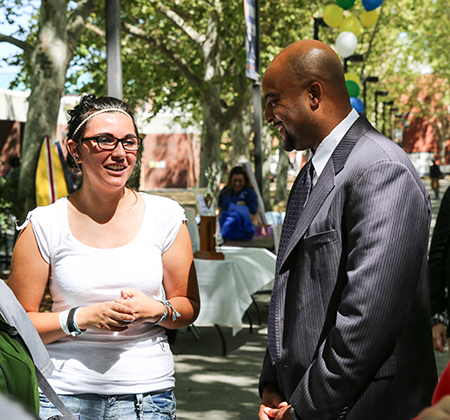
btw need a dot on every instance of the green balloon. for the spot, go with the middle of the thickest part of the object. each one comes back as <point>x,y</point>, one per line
<point>345,4</point>
<point>353,88</point>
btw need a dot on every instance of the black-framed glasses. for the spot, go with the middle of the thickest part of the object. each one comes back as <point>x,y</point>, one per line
<point>109,142</point>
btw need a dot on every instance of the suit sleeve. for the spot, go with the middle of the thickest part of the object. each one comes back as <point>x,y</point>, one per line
<point>268,373</point>
<point>438,257</point>
<point>386,218</point>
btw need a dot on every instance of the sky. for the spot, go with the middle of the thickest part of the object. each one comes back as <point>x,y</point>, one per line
<point>7,49</point>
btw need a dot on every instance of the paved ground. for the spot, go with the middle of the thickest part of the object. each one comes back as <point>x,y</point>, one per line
<point>211,386</point>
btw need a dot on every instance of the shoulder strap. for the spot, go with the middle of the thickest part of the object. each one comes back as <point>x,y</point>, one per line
<point>45,387</point>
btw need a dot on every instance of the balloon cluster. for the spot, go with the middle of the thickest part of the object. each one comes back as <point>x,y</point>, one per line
<point>349,29</point>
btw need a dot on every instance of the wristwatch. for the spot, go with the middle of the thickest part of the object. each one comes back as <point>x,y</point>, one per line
<point>439,319</point>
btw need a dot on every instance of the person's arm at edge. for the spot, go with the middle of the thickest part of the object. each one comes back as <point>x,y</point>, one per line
<point>28,280</point>
<point>437,263</point>
<point>180,281</point>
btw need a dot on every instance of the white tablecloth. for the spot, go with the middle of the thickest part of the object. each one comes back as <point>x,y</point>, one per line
<point>226,285</point>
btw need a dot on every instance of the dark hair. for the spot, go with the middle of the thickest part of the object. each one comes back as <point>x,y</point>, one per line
<point>88,105</point>
<point>237,170</point>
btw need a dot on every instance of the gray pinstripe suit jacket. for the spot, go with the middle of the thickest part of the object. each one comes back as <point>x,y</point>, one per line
<point>356,338</point>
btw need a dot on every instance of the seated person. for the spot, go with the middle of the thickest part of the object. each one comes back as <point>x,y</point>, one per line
<point>238,191</point>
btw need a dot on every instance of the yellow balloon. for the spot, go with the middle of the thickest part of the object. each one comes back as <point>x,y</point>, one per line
<point>333,15</point>
<point>353,77</point>
<point>351,24</point>
<point>369,18</point>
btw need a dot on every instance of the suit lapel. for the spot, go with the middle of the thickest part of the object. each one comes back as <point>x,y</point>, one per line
<point>325,184</point>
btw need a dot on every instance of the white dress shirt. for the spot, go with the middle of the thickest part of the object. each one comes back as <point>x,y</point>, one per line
<point>330,142</point>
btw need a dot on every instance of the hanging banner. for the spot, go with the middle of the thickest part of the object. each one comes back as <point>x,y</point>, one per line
<point>251,39</point>
<point>50,178</point>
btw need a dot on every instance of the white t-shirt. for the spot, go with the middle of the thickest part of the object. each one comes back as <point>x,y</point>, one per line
<point>138,360</point>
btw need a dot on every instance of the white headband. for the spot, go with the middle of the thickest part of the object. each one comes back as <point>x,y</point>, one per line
<point>99,112</point>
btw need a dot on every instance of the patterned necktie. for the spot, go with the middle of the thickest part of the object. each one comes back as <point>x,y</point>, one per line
<point>298,198</point>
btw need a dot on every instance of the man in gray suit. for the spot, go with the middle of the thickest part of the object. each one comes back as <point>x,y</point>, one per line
<point>349,322</point>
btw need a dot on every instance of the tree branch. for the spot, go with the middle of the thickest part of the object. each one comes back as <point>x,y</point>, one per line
<point>181,63</point>
<point>26,48</point>
<point>195,36</point>
<point>77,21</point>
<point>234,109</point>
<point>96,30</point>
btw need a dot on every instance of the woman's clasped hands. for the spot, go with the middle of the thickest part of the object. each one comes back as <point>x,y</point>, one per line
<point>143,308</point>
<point>131,307</point>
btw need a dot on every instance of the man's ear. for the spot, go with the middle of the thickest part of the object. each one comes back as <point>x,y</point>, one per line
<point>315,91</point>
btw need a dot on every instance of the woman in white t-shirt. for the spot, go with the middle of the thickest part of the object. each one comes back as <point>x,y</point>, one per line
<point>108,252</point>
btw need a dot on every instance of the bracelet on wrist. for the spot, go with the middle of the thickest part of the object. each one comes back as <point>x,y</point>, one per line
<point>166,304</point>
<point>72,325</point>
<point>63,321</point>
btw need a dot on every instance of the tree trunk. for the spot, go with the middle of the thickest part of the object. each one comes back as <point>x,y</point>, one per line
<point>240,132</point>
<point>49,62</point>
<point>266,140</point>
<point>281,192</point>
<point>53,50</point>
<point>212,129</point>
<point>211,137</point>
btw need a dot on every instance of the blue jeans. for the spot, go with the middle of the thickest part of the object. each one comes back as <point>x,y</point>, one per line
<point>150,406</point>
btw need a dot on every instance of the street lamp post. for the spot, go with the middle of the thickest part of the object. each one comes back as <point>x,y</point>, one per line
<point>388,103</point>
<point>318,22</point>
<point>355,58</point>
<point>370,79</point>
<point>377,94</point>
<point>113,56</point>
<point>391,110</point>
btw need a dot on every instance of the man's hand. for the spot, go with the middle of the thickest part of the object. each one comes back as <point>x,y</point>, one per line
<point>440,411</point>
<point>273,406</point>
<point>439,337</point>
<point>283,412</point>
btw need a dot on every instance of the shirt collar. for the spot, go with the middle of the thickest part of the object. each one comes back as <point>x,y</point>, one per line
<point>330,142</point>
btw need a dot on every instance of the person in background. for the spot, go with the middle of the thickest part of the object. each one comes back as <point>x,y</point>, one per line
<point>435,176</point>
<point>349,318</point>
<point>238,191</point>
<point>439,272</point>
<point>108,252</point>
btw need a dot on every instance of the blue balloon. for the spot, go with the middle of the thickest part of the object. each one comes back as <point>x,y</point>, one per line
<point>371,4</point>
<point>357,104</point>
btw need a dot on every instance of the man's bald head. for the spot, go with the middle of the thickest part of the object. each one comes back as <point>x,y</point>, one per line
<point>305,93</point>
<point>308,60</point>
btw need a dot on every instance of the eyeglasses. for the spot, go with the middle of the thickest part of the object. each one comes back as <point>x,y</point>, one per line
<point>109,142</point>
